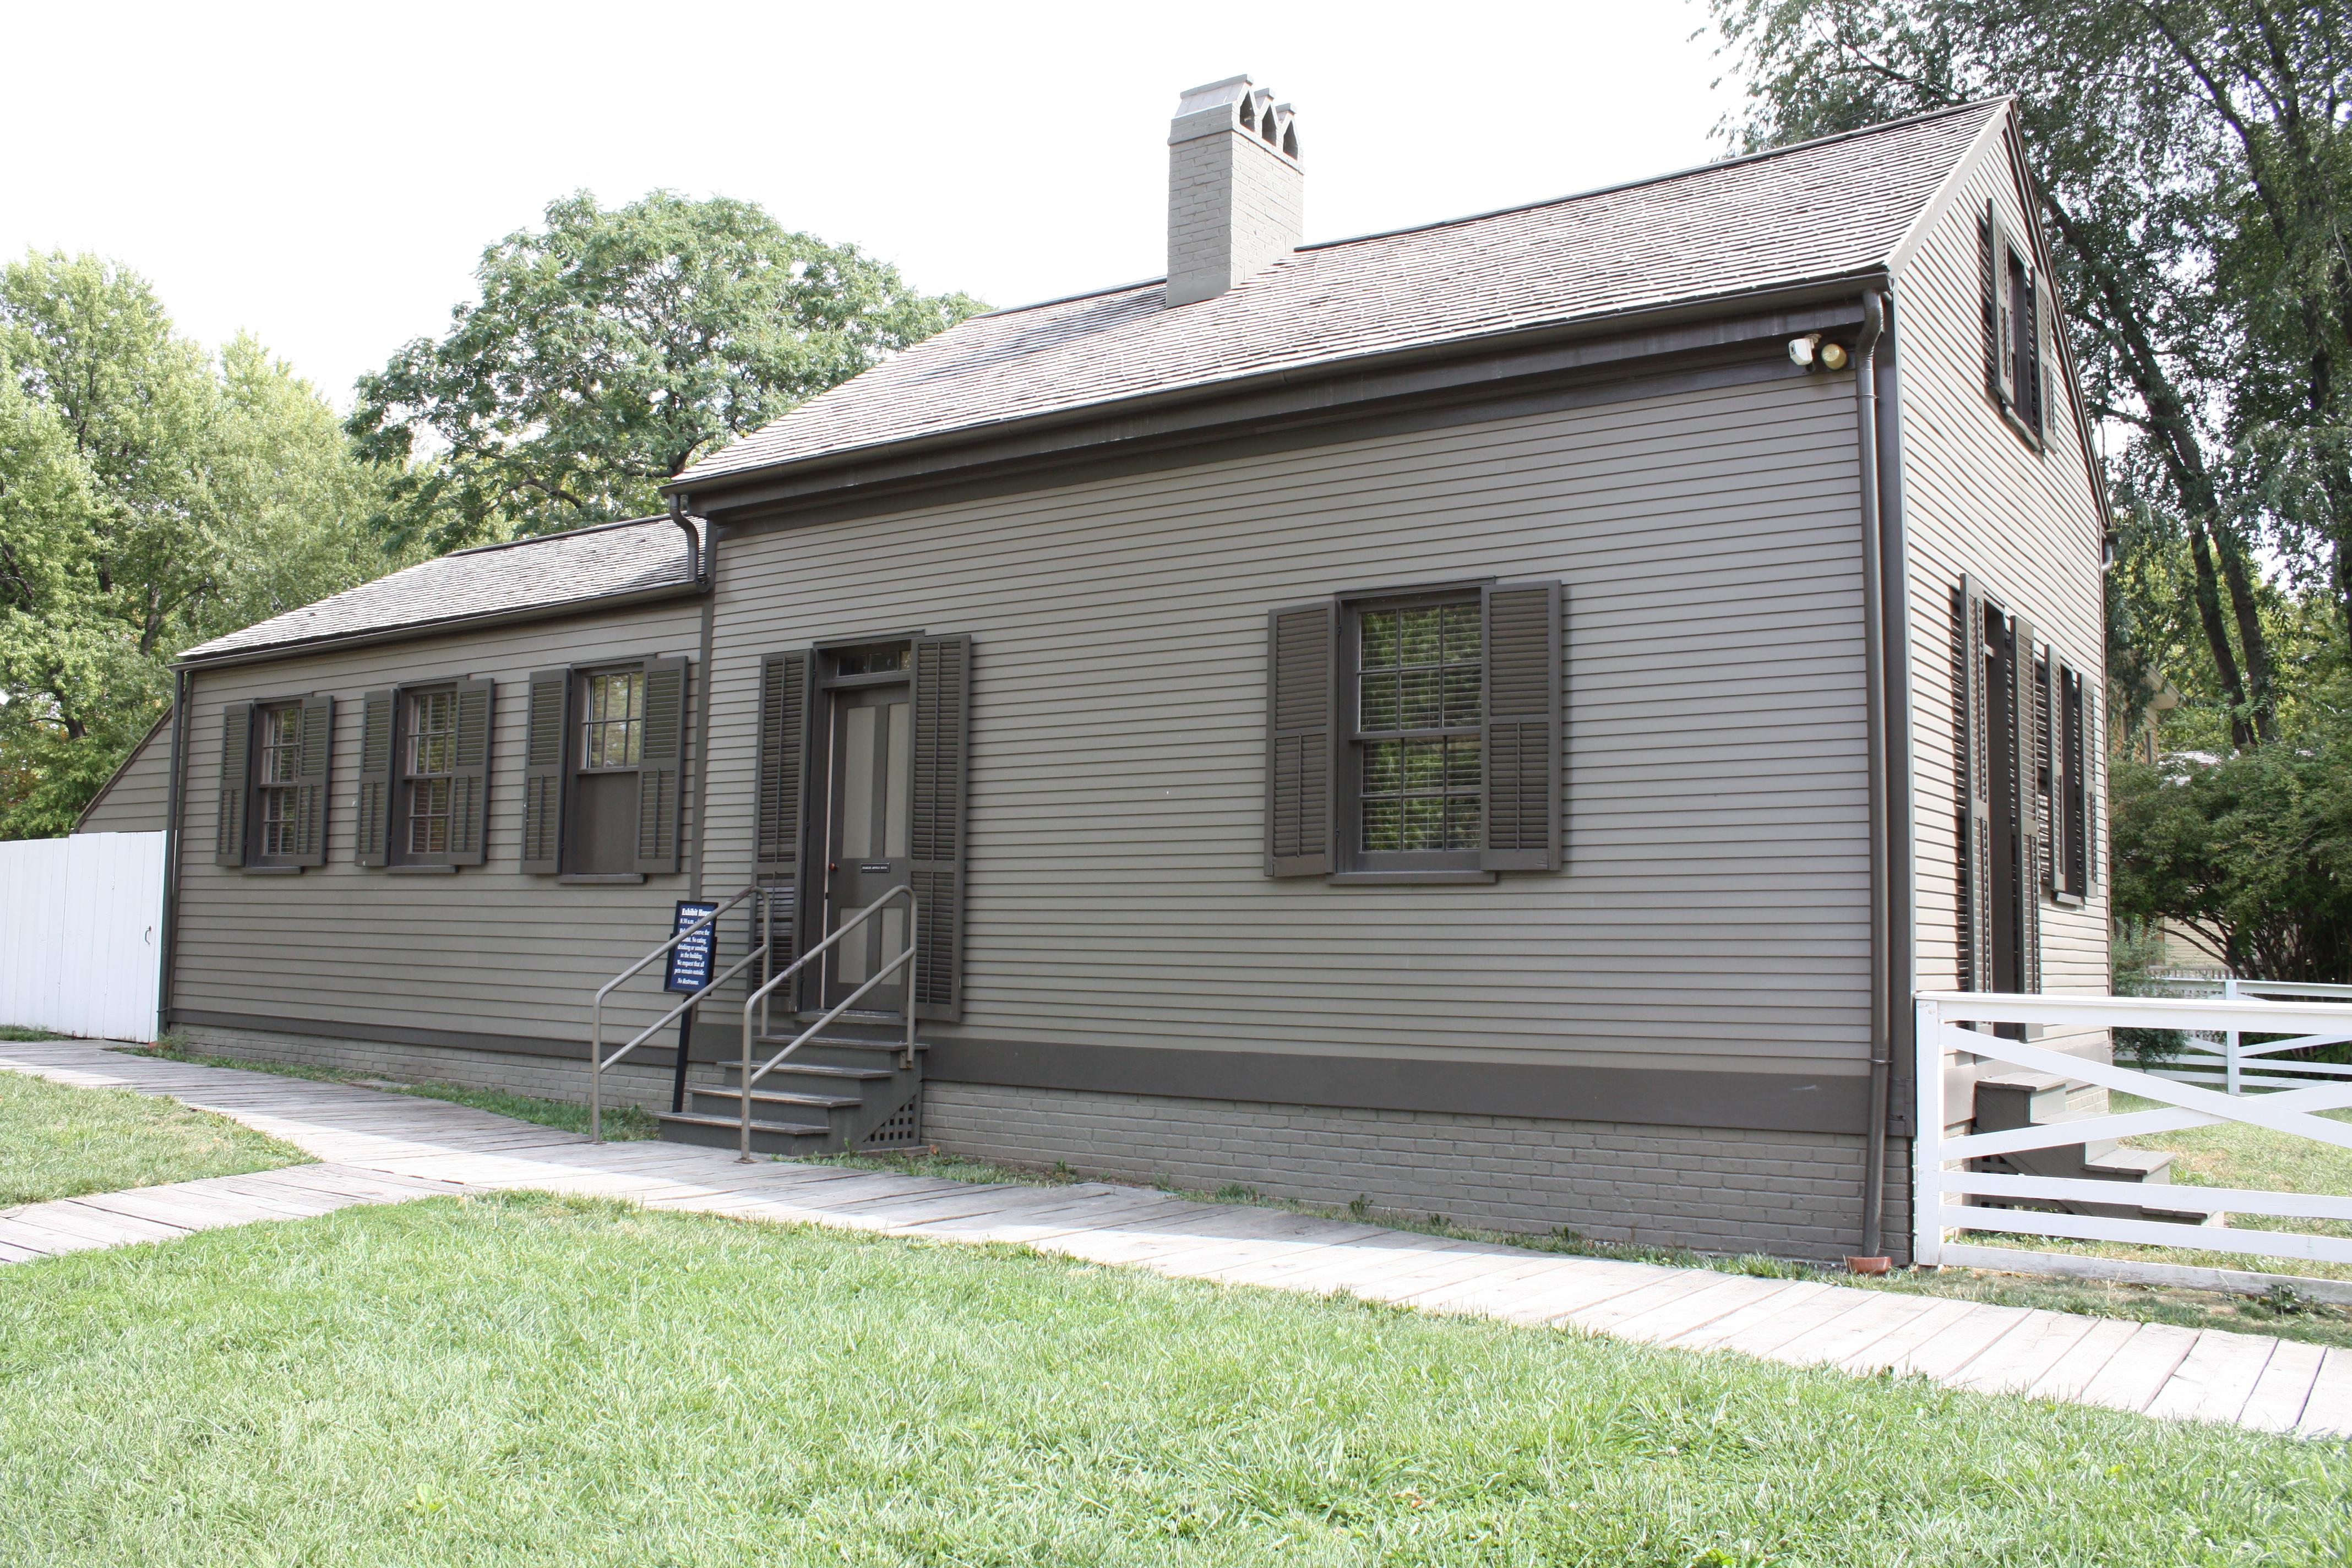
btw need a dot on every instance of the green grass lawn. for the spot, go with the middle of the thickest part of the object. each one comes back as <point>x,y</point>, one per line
<point>530,1380</point>
<point>622,1122</point>
<point>60,1142</point>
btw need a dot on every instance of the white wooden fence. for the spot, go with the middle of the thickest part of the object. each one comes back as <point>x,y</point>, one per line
<point>1941,1180</point>
<point>2223,1058</point>
<point>81,926</point>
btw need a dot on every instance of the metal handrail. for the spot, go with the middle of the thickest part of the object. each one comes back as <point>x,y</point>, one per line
<point>758,999</point>
<point>598,1062</point>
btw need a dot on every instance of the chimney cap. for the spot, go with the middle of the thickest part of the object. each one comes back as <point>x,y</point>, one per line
<point>1235,103</point>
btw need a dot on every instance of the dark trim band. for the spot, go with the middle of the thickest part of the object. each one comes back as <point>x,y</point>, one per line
<point>1658,1097</point>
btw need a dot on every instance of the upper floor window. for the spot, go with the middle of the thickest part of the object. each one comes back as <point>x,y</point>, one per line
<point>2019,351</point>
<point>616,722</point>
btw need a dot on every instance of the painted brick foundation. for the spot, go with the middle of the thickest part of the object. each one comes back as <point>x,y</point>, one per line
<point>1794,1194</point>
<point>517,1072</point>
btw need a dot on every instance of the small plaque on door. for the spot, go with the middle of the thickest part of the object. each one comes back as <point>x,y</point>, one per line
<point>878,865</point>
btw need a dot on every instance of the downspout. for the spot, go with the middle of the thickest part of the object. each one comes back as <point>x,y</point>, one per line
<point>167,939</point>
<point>1874,615</point>
<point>694,564</point>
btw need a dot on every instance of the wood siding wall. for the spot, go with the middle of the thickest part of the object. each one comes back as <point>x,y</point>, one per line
<point>1714,910</point>
<point>138,798</point>
<point>483,950</point>
<point>1980,500</point>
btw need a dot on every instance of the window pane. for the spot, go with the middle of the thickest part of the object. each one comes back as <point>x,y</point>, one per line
<point>1424,764</point>
<point>1380,702</point>
<point>1417,636</point>
<point>1418,707</point>
<point>1461,695</point>
<point>1424,823</point>
<point>1462,769</point>
<point>1461,633</point>
<point>1380,638</point>
<point>1382,830</point>
<point>1462,813</point>
<point>1382,763</point>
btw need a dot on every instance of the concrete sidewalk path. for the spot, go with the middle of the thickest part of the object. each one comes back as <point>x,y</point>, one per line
<point>382,1147</point>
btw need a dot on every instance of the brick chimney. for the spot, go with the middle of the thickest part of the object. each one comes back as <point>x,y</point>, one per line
<point>1236,197</point>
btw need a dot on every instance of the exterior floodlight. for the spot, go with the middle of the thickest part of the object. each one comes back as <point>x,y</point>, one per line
<point>1801,350</point>
<point>1834,356</point>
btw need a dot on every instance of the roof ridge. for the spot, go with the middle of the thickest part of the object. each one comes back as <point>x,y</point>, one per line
<point>560,533</point>
<point>1681,174</point>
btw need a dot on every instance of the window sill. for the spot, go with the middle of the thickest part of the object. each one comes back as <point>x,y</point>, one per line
<point>601,879</point>
<point>1407,878</point>
<point>272,870</point>
<point>421,870</point>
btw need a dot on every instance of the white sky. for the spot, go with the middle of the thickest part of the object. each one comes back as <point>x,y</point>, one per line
<point>327,176</point>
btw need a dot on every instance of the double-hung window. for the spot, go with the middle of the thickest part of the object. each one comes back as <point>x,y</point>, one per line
<point>278,777</point>
<point>272,813</point>
<point>1419,743</point>
<point>428,770</point>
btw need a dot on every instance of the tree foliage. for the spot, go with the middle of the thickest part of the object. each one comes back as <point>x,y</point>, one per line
<point>151,497</point>
<point>2251,851</point>
<point>613,348</point>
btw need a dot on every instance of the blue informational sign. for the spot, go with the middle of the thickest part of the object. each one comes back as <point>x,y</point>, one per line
<point>690,960</point>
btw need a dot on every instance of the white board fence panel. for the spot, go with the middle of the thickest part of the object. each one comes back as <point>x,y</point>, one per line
<point>80,933</point>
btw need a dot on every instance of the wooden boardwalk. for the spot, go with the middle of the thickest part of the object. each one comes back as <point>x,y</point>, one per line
<point>379,1147</point>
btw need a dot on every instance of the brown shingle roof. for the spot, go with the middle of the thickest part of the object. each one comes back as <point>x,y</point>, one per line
<point>1822,210</point>
<point>548,572</point>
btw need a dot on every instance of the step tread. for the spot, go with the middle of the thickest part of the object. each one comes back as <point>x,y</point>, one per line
<point>783,1097</point>
<point>2039,1082</point>
<point>2130,1164</point>
<point>820,1070</point>
<point>783,1128</point>
<point>839,1043</point>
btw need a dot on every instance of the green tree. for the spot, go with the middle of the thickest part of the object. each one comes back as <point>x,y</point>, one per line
<point>149,498</point>
<point>612,349</point>
<point>2250,850</point>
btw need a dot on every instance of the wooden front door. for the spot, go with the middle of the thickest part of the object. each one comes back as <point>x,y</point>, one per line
<point>867,838</point>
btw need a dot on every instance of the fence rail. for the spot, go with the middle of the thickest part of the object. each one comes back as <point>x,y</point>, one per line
<point>1944,1182</point>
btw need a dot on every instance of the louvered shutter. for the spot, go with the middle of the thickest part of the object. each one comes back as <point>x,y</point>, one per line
<point>2073,738</point>
<point>1301,643</point>
<point>663,766</point>
<point>2004,309</point>
<point>2045,356</point>
<point>935,819</point>
<point>779,806</point>
<point>312,762</point>
<point>1523,727</point>
<point>2057,824</point>
<point>235,769</point>
<point>470,791</point>
<point>2024,718</point>
<point>545,763</point>
<point>1990,279</point>
<point>1972,742</point>
<point>371,829</point>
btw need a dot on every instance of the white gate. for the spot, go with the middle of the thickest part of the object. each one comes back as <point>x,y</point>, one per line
<point>81,926</point>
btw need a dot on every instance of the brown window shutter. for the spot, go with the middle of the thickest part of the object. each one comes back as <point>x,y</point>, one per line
<point>235,769</point>
<point>1524,702</point>
<point>780,805</point>
<point>1300,718</point>
<point>2057,827</point>
<point>2004,305</point>
<point>470,791</point>
<point>663,766</point>
<point>546,759</point>
<point>935,819</point>
<point>318,742</point>
<point>2073,749</point>
<point>1972,743</point>
<point>2025,719</point>
<point>2045,356</point>
<point>371,830</point>
<point>1992,277</point>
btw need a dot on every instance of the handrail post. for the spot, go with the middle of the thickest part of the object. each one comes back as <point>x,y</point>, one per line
<point>743,1088</point>
<point>1928,1139</point>
<point>914,924</point>
<point>596,1071</point>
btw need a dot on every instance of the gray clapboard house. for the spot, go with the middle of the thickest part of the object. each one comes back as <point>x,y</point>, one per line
<point>1495,717</point>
